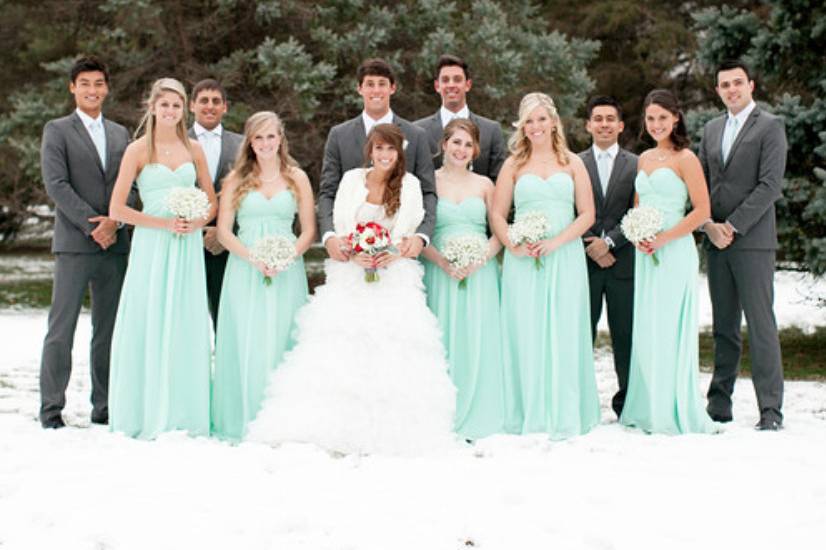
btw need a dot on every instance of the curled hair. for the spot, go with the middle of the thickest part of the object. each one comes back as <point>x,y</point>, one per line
<point>520,146</point>
<point>246,172</point>
<point>391,135</point>
<point>148,122</point>
<point>462,124</point>
<point>668,101</point>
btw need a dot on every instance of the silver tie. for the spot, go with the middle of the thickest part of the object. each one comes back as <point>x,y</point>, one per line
<point>604,169</point>
<point>99,139</point>
<point>728,136</point>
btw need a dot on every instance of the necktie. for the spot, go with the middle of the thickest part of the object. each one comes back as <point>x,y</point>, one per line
<point>728,136</point>
<point>604,169</point>
<point>99,139</point>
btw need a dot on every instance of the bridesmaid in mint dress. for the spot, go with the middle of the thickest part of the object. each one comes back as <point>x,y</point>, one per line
<point>262,194</point>
<point>160,365</point>
<point>468,315</point>
<point>550,385</point>
<point>663,393</point>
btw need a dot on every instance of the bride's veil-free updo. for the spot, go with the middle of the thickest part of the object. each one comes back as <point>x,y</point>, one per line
<point>148,123</point>
<point>519,144</point>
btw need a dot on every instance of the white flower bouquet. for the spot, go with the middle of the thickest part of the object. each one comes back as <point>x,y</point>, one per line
<point>530,228</point>
<point>463,251</point>
<point>642,224</point>
<point>275,252</point>
<point>188,203</point>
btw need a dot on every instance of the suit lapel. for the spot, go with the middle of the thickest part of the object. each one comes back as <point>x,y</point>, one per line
<point>619,166</point>
<point>225,159</point>
<point>86,140</point>
<point>747,126</point>
<point>435,129</point>
<point>359,137</point>
<point>110,148</point>
<point>593,173</point>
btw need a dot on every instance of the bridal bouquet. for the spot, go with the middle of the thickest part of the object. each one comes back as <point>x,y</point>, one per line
<point>642,224</point>
<point>275,252</point>
<point>529,228</point>
<point>463,251</point>
<point>372,239</point>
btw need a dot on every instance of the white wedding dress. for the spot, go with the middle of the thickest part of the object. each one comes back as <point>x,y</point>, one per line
<point>368,372</point>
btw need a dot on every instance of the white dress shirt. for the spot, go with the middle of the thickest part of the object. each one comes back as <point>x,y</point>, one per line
<point>210,140</point>
<point>96,131</point>
<point>447,115</point>
<point>370,122</point>
<point>741,117</point>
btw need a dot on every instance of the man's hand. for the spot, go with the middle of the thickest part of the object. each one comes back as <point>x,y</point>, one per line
<point>337,249</point>
<point>211,242</point>
<point>606,260</point>
<point>105,234</point>
<point>411,247</point>
<point>597,248</point>
<point>720,234</point>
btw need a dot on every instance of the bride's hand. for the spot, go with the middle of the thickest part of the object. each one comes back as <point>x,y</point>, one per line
<point>386,258</point>
<point>364,260</point>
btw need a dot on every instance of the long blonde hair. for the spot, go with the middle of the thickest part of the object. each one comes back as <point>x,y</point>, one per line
<point>147,125</point>
<point>519,144</point>
<point>245,170</point>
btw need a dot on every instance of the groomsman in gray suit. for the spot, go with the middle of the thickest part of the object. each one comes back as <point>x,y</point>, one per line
<point>208,102</point>
<point>610,256</point>
<point>743,154</point>
<point>80,156</point>
<point>452,82</point>
<point>344,151</point>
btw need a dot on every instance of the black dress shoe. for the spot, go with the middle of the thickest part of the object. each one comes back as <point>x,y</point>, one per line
<point>720,418</point>
<point>769,425</point>
<point>53,423</point>
<point>102,419</point>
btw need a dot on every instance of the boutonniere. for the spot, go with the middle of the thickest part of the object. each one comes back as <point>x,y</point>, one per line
<point>405,144</point>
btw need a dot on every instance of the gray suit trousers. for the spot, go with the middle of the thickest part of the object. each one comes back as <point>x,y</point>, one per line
<point>103,273</point>
<point>742,281</point>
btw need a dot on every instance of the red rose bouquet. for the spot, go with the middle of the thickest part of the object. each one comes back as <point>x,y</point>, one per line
<point>372,239</point>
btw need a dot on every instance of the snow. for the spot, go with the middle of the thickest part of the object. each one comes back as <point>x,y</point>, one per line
<point>613,489</point>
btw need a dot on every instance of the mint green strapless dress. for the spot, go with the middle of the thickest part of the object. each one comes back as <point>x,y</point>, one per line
<point>255,321</point>
<point>160,362</point>
<point>663,394</point>
<point>550,384</point>
<point>469,319</point>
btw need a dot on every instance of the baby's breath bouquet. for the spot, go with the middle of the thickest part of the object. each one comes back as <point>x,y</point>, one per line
<point>463,251</point>
<point>642,224</point>
<point>275,252</point>
<point>530,228</point>
<point>188,203</point>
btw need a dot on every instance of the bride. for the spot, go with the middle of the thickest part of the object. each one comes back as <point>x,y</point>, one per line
<point>368,373</point>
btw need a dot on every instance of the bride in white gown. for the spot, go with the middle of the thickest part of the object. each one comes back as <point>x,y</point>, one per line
<point>368,372</point>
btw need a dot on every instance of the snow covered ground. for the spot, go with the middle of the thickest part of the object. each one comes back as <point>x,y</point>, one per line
<point>614,489</point>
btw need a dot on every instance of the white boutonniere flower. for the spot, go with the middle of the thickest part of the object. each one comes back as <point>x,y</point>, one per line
<point>405,144</point>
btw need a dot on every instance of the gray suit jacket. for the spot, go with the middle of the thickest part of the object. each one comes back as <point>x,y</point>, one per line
<point>344,151</point>
<point>78,184</point>
<point>612,207</point>
<point>743,190</point>
<point>492,152</point>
